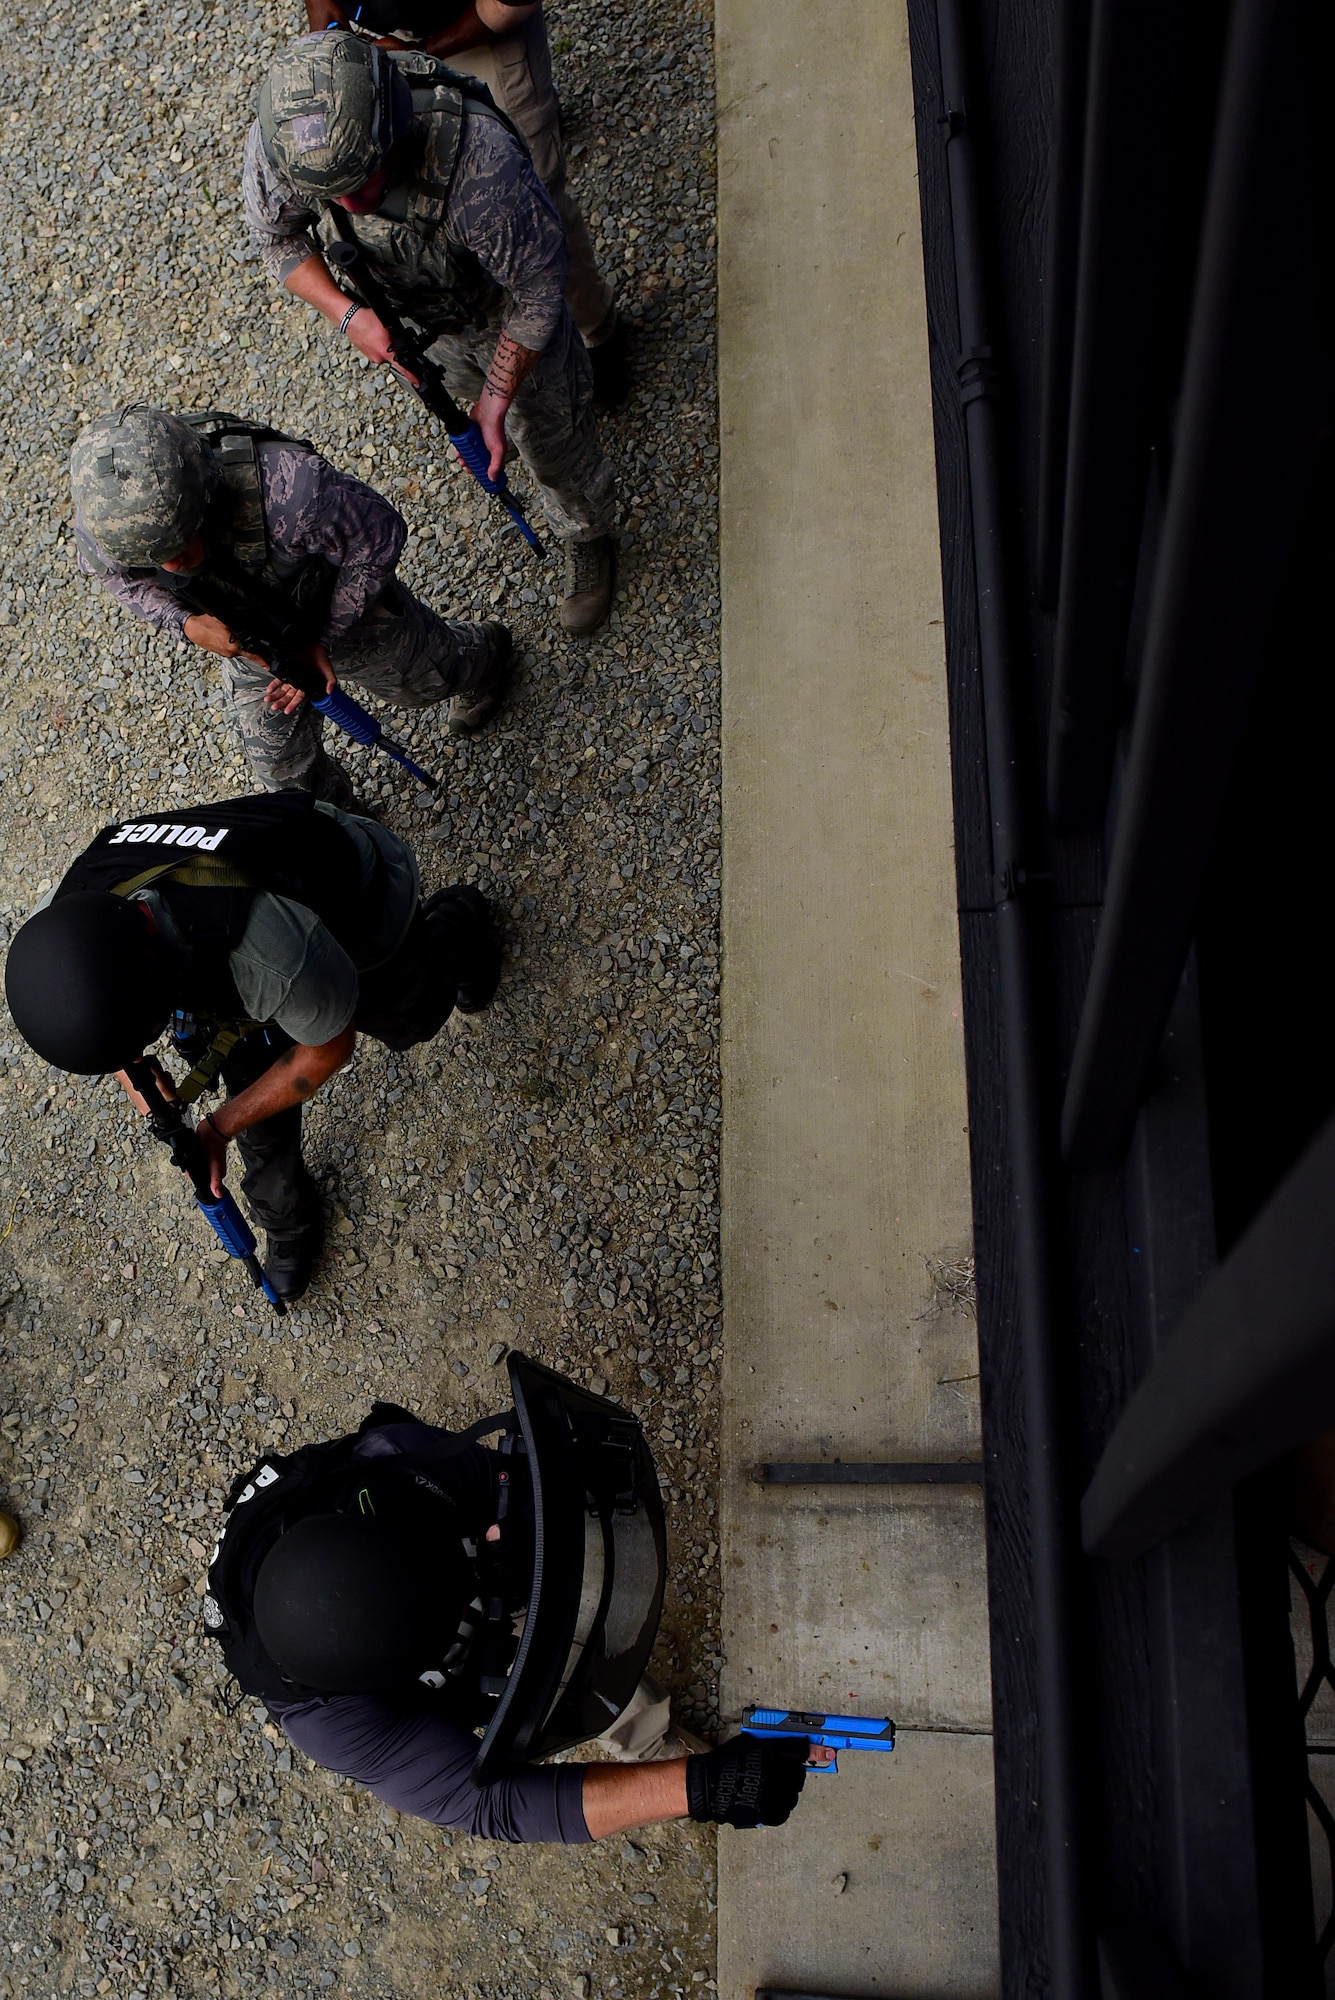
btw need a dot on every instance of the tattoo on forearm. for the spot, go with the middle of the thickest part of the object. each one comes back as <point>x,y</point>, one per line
<point>510,363</point>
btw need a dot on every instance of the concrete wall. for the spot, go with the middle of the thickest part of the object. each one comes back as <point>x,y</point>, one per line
<point>845,1173</point>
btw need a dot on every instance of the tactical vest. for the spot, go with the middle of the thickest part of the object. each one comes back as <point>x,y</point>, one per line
<point>208,863</point>
<point>242,580</point>
<point>437,284</point>
<point>281,1490</point>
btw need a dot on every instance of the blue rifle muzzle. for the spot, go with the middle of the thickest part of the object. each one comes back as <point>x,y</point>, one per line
<point>356,722</point>
<point>474,454</point>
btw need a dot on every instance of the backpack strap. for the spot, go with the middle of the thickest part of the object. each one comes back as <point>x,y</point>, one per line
<point>440,95</point>
<point>203,873</point>
<point>204,1074</point>
<point>234,443</point>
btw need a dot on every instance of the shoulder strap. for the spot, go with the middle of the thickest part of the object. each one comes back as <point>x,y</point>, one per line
<point>234,443</point>
<point>201,873</point>
<point>439,96</point>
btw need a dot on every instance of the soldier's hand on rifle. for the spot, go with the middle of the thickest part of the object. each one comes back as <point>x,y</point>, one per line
<point>284,699</point>
<point>211,634</point>
<point>312,283</point>
<point>509,366</point>
<point>160,1077</point>
<point>369,336</point>
<point>214,1147</point>
<point>203,630</point>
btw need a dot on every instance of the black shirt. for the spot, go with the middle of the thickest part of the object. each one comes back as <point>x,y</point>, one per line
<point>422,18</point>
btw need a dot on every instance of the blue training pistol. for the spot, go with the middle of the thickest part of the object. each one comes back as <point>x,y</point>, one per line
<point>832,1732</point>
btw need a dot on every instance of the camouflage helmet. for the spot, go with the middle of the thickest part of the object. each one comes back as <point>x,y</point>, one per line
<point>141,481</point>
<point>331,107</point>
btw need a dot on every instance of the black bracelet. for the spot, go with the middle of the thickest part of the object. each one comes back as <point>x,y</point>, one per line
<point>349,316</point>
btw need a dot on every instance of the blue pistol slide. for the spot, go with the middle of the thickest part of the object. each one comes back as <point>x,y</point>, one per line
<point>833,1732</point>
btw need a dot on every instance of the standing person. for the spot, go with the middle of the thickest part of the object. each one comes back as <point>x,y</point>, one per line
<point>464,239</point>
<point>506,48</point>
<point>271,932</point>
<point>174,512</point>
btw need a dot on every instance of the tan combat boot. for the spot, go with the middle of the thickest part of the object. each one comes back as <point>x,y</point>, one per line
<point>471,707</point>
<point>589,570</point>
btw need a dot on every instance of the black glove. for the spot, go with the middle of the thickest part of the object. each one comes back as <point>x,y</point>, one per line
<point>748,1781</point>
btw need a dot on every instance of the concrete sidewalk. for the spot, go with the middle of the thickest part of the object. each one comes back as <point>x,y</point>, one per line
<point>845,1172</point>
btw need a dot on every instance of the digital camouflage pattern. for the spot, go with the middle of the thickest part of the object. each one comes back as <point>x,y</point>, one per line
<point>552,425</point>
<point>326,112</point>
<point>495,256</point>
<point>310,509</point>
<point>402,652</point>
<point>141,482</point>
<point>498,216</point>
<point>377,633</point>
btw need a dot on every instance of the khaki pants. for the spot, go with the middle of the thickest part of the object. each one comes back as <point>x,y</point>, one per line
<point>517,71</point>
<point>641,1730</point>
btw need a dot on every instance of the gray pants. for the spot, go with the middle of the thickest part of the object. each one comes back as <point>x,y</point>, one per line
<point>517,70</point>
<point>551,425</point>
<point>401,651</point>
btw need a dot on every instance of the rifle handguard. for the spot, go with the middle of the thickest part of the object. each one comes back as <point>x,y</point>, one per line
<point>474,454</point>
<point>472,449</point>
<point>349,716</point>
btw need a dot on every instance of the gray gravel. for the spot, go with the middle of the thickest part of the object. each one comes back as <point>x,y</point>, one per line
<point>544,1175</point>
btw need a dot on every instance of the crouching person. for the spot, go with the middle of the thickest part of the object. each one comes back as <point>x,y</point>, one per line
<point>415,1621</point>
<point>267,932</point>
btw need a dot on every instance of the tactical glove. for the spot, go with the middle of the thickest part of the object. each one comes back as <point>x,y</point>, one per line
<point>747,1781</point>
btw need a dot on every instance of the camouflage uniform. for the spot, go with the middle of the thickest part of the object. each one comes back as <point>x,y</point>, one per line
<point>517,70</point>
<point>376,632</point>
<point>499,223</point>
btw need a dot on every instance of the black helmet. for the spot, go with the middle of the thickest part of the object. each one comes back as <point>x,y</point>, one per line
<point>86,982</point>
<point>353,1604</point>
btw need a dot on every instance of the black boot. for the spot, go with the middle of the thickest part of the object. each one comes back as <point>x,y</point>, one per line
<point>476,942</point>
<point>289,1259</point>
<point>473,706</point>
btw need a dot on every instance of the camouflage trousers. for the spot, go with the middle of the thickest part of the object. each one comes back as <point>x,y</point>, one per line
<point>551,425</point>
<point>401,651</point>
<point>517,69</point>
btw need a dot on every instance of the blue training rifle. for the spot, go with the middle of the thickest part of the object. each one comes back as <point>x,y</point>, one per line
<point>832,1732</point>
<point>171,1126</point>
<point>348,257</point>
<point>346,714</point>
<point>269,628</point>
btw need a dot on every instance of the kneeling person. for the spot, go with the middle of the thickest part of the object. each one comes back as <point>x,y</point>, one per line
<point>202,524</point>
<point>366,1588</point>
<point>269,932</point>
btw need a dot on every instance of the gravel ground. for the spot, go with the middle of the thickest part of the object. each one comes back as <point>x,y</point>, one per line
<point>545,1175</point>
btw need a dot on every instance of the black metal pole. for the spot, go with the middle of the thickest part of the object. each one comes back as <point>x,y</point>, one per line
<point>1070,54</point>
<point>1070,1969</point>
<point>1255,405</point>
<point>1137,63</point>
